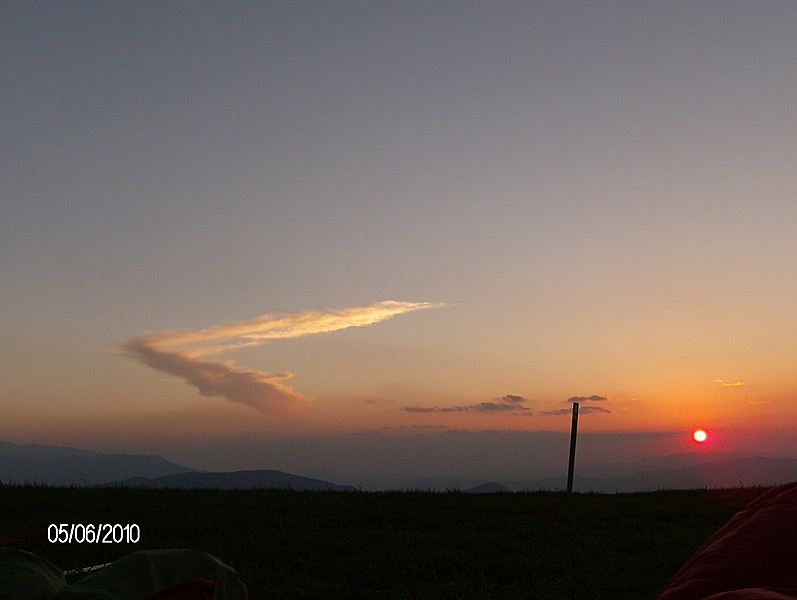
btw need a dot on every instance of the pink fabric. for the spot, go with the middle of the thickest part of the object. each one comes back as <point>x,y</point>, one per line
<point>754,594</point>
<point>753,557</point>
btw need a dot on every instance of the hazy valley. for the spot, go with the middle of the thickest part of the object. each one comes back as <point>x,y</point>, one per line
<point>54,465</point>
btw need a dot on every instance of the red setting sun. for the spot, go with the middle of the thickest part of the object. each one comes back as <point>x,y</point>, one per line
<point>699,435</point>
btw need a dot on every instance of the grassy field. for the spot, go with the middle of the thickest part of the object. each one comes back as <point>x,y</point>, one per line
<point>399,544</point>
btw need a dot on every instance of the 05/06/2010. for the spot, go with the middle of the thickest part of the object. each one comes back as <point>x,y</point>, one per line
<point>101,533</point>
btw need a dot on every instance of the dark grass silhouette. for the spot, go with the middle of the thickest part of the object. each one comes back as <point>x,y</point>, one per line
<point>288,544</point>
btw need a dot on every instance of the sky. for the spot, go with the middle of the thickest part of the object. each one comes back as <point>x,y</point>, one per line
<point>400,237</point>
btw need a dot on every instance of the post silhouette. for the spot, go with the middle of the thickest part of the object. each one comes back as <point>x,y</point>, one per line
<point>573,433</point>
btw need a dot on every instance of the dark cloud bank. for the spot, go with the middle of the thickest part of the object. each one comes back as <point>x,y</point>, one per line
<point>512,404</point>
<point>505,404</point>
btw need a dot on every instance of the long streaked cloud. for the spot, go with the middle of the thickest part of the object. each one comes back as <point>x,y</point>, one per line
<point>505,404</point>
<point>724,383</point>
<point>512,404</point>
<point>582,410</point>
<point>593,398</point>
<point>585,409</point>
<point>179,352</point>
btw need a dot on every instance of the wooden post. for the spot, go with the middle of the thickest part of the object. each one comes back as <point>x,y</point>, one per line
<point>573,434</point>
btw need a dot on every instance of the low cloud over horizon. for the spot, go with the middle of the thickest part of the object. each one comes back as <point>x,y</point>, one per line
<point>582,409</point>
<point>505,404</point>
<point>179,353</point>
<point>593,398</point>
<point>512,404</point>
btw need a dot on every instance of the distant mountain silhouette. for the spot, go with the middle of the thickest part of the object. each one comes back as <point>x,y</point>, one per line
<point>656,463</point>
<point>434,484</point>
<point>57,465</point>
<point>721,473</point>
<point>675,471</point>
<point>238,480</point>
<point>488,488</point>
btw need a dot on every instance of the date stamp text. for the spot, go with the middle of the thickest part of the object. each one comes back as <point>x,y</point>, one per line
<point>93,533</point>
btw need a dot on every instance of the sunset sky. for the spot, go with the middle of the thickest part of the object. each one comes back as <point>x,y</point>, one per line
<point>273,234</point>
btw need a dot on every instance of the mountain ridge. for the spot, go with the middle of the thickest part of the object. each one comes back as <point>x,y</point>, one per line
<point>746,471</point>
<point>64,465</point>
<point>235,480</point>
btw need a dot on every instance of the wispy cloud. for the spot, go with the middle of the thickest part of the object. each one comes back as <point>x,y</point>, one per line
<point>585,409</point>
<point>512,404</point>
<point>365,400</point>
<point>497,407</point>
<point>581,409</point>
<point>593,398</point>
<point>593,409</point>
<point>724,383</point>
<point>179,352</point>
<point>403,428</point>
<point>505,404</point>
<point>513,398</point>
<point>223,379</point>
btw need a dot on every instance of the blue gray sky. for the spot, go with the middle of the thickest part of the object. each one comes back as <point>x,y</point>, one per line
<point>595,199</point>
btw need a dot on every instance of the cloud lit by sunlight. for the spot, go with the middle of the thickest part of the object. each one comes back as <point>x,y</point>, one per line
<point>179,353</point>
<point>724,383</point>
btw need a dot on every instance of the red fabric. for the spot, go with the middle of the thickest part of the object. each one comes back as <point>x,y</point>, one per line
<point>754,594</point>
<point>752,557</point>
<point>199,589</point>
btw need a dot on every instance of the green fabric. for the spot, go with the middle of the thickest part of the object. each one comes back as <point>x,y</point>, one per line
<point>142,573</point>
<point>25,576</point>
